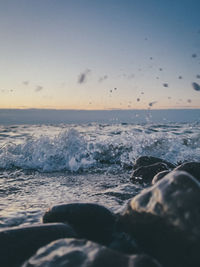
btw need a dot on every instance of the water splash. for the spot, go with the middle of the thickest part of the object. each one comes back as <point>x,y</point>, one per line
<point>92,147</point>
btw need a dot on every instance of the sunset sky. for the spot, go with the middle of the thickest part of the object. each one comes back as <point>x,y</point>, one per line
<point>99,54</point>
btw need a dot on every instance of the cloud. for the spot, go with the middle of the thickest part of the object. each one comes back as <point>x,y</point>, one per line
<point>38,88</point>
<point>82,77</point>
<point>103,78</point>
<point>25,82</point>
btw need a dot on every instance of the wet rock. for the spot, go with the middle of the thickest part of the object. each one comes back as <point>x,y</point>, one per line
<point>165,220</point>
<point>159,176</point>
<point>124,243</point>
<point>149,160</point>
<point>19,243</point>
<point>192,168</point>
<point>83,253</point>
<point>90,221</point>
<point>146,173</point>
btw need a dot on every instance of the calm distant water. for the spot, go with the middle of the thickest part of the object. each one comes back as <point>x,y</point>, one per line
<point>43,165</point>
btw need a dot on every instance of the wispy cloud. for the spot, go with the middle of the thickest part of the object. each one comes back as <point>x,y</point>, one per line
<point>38,88</point>
<point>82,77</point>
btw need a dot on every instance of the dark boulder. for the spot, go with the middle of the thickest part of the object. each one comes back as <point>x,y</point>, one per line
<point>159,176</point>
<point>124,243</point>
<point>192,168</point>
<point>145,174</point>
<point>165,220</point>
<point>149,160</point>
<point>83,253</point>
<point>90,221</point>
<point>17,244</point>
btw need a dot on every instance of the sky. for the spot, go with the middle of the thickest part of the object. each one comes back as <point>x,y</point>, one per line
<point>99,54</point>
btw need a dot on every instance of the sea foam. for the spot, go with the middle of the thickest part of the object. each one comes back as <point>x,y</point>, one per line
<point>95,146</point>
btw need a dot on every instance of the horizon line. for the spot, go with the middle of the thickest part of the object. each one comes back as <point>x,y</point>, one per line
<point>108,109</point>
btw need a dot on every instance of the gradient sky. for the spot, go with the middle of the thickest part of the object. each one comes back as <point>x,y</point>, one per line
<point>99,54</point>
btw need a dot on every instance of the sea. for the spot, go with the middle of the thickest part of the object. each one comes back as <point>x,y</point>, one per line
<point>48,157</point>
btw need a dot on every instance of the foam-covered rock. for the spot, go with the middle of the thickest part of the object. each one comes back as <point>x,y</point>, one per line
<point>159,176</point>
<point>192,168</point>
<point>146,173</point>
<point>165,220</point>
<point>19,243</point>
<point>149,160</point>
<point>83,253</point>
<point>90,221</point>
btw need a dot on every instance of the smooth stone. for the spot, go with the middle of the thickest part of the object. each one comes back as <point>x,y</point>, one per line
<point>84,253</point>
<point>165,220</point>
<point>124,243</point>
<point>19,243</point>
<point>192,168</point>
<point>159,176</point>
<point>90,221</point>
<point>149,160</point>
<point>146,173</point>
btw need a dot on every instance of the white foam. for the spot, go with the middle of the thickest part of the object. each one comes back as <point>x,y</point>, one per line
<point>100,146</point>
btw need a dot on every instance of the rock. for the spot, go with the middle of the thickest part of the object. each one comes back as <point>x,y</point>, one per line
<point>159,176</point>
<point>19,243</point>
<point>165,220</point>
<point>83,253</point>
<point>90,221</point>
<point>146,173</point>
<point>124,243</point>
<point>149,160</point>
<point>192,168</point>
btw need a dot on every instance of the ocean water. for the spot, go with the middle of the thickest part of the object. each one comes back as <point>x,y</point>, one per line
<point>46,164</point>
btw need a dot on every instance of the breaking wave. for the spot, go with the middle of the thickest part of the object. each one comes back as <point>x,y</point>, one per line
<point>101,147</point>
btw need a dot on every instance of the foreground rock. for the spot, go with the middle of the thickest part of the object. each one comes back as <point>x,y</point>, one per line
<point>83,253</point>
<point>149,160</point>
<point>19,243</point>
<point>159,176</point>
<point>90,221</point>
<point>124,243</point>
<point>145,174</point>
<point>192,168</point>
<point>165,220</point>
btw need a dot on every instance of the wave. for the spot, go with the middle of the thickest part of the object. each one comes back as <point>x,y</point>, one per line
<point>74,151</point>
